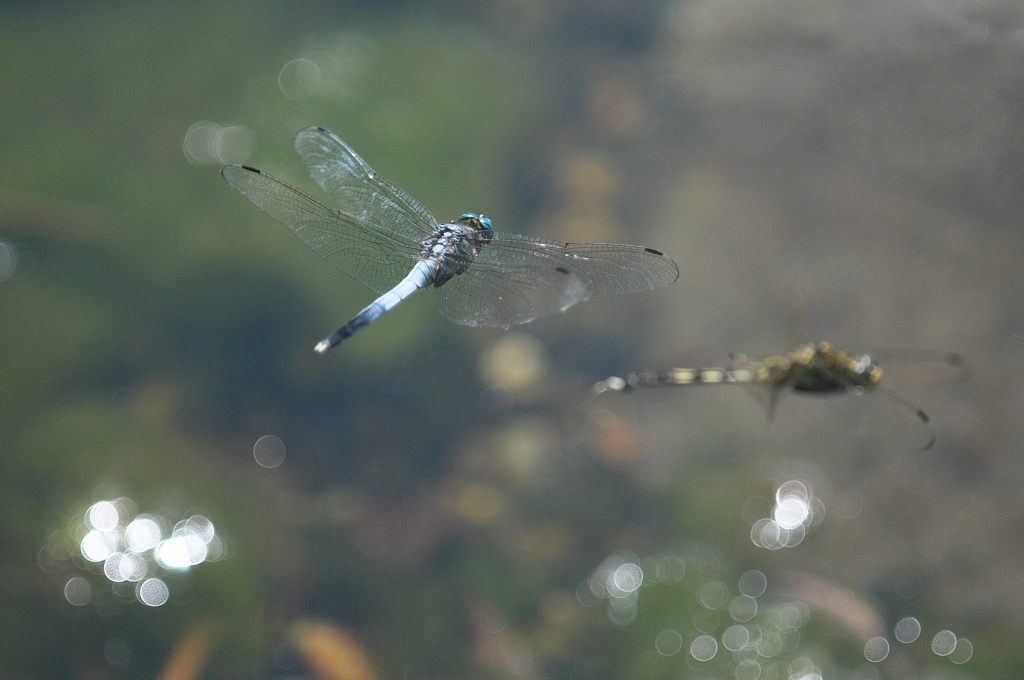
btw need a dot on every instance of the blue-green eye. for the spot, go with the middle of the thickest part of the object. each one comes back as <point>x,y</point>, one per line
<point>480,220</point>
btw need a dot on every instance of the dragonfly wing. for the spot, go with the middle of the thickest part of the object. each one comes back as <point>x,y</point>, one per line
<point>603,267</point>
<point>508,296</point>
<point>517,278</point>
<point>375,257</point>
<point>357,188</point>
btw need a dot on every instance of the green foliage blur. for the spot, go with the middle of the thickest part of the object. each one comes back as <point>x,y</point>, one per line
<point>149,330</point>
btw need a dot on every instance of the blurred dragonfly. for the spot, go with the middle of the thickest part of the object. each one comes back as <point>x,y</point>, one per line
<point>820,369</point>
<point>388,241</point>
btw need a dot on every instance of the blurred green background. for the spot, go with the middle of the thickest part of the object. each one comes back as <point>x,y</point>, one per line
<point>455,502</point>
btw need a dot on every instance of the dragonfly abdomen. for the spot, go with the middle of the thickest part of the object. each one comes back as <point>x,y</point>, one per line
<point>677,376</point>
<point>420,277</point>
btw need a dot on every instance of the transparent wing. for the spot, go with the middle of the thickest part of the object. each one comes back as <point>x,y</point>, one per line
<point>358,190</point>
<point>375,257</point>
<point>918,368</point>
<point>487,296</point>
<point>603,267</point>
<point>518,278</point>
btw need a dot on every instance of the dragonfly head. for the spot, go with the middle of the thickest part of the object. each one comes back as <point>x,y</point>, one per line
<point>479,224</point>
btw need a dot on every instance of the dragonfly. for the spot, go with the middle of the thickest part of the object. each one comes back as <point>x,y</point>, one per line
<point>811,369</point>
<point>388,241</point>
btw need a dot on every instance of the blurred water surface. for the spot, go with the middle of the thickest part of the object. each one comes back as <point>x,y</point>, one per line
<point>189,491</point>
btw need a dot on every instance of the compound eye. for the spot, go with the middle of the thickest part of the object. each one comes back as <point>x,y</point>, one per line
<point>478,222</point>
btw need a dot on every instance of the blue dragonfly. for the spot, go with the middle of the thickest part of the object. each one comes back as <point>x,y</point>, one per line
<point>388,241</point>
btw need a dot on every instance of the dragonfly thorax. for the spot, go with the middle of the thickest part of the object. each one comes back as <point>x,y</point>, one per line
<point>453,246</point>
<point>823,368</point>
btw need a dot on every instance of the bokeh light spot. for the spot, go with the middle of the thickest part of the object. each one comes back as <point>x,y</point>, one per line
<point>704,648</point>
<point>795,510</point>
<point>668,642</point>
<point>207,143</point>
<point>735,638</point>
<point>233,144</point>
<point>299,79</point>
<point>199,142</point>
<point>792,488</point>
<point>622,616</point>
<point>97,546</point>
<point>77,591</point>
<point>141,534</point>
<point>197,526</point>
<point>103,516</point>
<point>713,594</point>
<point>112,567</point>
<point>791,513</point>
<point>515,364</point>
<point>131,548</point>
<point>671,569</point>
<point>794,614</point>
<point>152,592</point>
<point>626,579</point>
<point>770,643</point>
<point>767,533</point>
<point>876,649</point>
<point>180,552</point>
<point>907,629</point>
<point>269,451</point>
<point>586,596</point>
<point>753,583</point>
<point>963,652</point>
<point>747,669</point>
<point>944,642</point>
<point>214,549</point>
<point>131,567</point>
<point>803,668</point>
<point>742,608</point>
